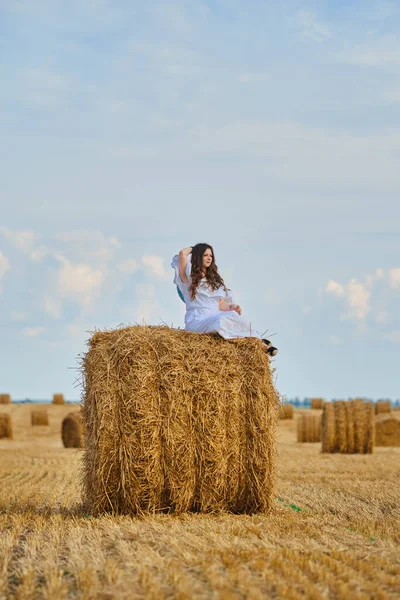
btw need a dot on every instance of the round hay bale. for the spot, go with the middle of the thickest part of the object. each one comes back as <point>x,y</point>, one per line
<point>387,431</point>
<point>286,411</point>
<point>6,430</point>
<point>383,407</point>
<point>5,399</point>
<point>71,430</point>
<point>317,403</point>
<point>177,421</point>
<point>348,427</point>
<point>309,428</point>
<point>58,399</point>
<point>39,417</point>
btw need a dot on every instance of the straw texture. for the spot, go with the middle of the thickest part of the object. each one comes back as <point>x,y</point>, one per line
<point>58,399</point>
<point>382,407</point>
<point>6,430</point>
<point>72,431</point>
<point>39,417</point>
<point>177,421</point>
<point>286,411</point>
<point>348,427</point>
<point>5,399</point>
<point>309,428</point>
<point>387,430</point>
<point>317,403</point>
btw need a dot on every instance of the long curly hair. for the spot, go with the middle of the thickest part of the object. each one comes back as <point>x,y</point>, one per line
<point>214,279</point>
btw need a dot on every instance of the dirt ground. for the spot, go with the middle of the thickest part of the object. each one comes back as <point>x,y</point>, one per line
<point>334,532</point>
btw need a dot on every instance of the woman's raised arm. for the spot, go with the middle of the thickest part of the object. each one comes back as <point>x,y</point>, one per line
<point>183,259</point>
<point>186,251</point>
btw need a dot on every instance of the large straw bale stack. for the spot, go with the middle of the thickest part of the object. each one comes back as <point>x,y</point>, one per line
<point>6,430</point>
<point>317,403</point>
<point>39,417</point>
<point>383,407</point>
<point>309,428</point>
<point>286,411</point>
<point>348,427</point>
<point>58,399</point>
<point>5,399</point>
<point>72,431</point>
<point>177,421</point>
<point>387,430</point>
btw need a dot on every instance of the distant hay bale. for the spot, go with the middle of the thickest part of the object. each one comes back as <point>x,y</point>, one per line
<point>39,417</point>
<point>317,403</point>
<point>382,407</point>
<point>309,428</point>
<point>58,399</point>
<point>6,430</point>
<point>348,427</point>
<point>387,431</point>
<point>71,430</point>
<point>286,411</point>
<point>5,399</point>
<point>177,421</point>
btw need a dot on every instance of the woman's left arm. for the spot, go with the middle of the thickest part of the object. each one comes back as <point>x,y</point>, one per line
<point>226,306</point>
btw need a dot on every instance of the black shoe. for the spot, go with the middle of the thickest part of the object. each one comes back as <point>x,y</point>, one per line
<point>272,351</point>
<point>266,342</point>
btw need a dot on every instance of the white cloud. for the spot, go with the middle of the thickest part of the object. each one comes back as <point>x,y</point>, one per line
<point>393,336</point>
<point>310,27</point>
<point>89,244</point>
<point>394,277</point>
<point>333,287</point>
<point>334,339</point>
<point>148,307</point>
<point>128,266</point>
<point>52,306</point>
<point>155,266</point>
<point>306,309</point>
<point>4,266</point>
<point>356,295</point>
<point>33,331</point>
<point>358,298</point>
<point>25,242</point>
<point>17,316</point>
<point>79,282</point>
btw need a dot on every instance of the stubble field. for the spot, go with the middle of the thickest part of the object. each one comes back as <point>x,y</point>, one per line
<point>334,532</point>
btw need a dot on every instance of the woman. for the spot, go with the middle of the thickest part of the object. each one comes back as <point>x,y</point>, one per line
<point>208,305</point>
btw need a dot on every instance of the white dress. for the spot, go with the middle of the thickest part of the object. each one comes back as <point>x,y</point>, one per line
<point>203,313</point>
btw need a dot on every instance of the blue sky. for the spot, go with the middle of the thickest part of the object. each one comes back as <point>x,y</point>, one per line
<point>269,130</point>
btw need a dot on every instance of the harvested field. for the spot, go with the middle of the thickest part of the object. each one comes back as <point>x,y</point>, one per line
<point>5,399</point>
<point>334,531</point>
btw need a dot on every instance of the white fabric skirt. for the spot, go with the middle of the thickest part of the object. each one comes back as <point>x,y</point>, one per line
<point>228,324</point>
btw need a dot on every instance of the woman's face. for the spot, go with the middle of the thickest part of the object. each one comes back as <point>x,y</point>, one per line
<point>207,258</point>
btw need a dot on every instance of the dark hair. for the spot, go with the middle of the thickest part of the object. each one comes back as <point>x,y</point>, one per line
<point>214,279</point>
